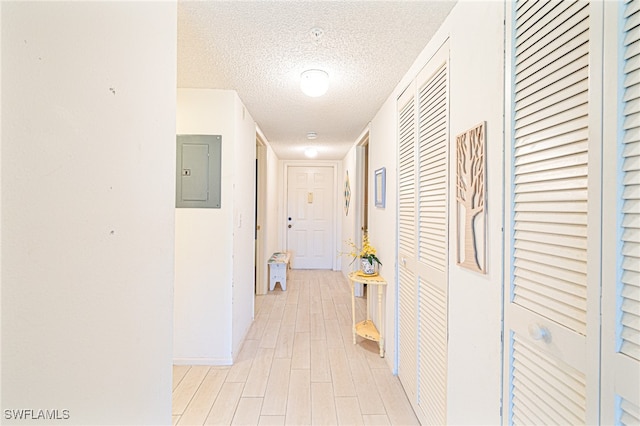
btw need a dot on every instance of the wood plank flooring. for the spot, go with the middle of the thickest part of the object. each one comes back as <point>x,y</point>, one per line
<point>297,366</point>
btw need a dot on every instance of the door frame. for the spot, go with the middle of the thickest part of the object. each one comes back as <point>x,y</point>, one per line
<point>260,240</point>
<point>337,185</point>
<point>362,190</point>
<point>362,194</point>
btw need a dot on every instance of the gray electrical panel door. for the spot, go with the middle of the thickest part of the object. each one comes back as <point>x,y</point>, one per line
<point>198,171</point>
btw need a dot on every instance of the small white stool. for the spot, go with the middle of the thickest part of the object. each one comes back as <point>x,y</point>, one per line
<point>278,267</point>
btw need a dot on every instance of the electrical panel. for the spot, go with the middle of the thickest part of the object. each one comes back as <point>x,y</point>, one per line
<point>198,171</point>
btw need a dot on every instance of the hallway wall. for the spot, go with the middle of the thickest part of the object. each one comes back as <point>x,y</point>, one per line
<point>267,211</point>
<point>243,228</point>
<point>88,160</point>
<point>475,301</point>
<point>214,247</point>
<point>349,231</point>
<point>476,38</point>
<point>273,213</point>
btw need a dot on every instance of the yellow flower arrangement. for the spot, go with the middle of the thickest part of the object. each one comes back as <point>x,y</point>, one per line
<point>366,252</point>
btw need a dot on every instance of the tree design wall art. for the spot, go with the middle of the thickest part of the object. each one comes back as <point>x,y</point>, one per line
<point>470,198</point>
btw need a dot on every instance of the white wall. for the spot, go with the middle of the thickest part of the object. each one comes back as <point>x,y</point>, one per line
<point>273,213</point>
<point>244,210</point>
<point>204,241</point>
<point>349,231</point>
<point>475,301</point>
<point>88,160</point>
<point>476,33</point>
<point>214,247</point>
<point>383,222</point>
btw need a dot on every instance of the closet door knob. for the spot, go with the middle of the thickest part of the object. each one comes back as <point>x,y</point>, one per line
<point>539,332</point>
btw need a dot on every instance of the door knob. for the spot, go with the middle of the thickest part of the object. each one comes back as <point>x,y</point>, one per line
<point>540,332</point>
<point>289,226</point>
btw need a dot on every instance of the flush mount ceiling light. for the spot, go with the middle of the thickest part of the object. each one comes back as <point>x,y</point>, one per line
<point>314,83</point>
<point>312,135</point>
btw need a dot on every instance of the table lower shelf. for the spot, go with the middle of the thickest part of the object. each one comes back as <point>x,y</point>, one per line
<point>367,330</point>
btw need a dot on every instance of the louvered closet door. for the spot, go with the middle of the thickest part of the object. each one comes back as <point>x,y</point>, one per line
<point>407,211</point>
<point>630,274</point>
<point>423,239</point>
<point>551,330</point>
<point>433,137</point>
<point>621,354</point>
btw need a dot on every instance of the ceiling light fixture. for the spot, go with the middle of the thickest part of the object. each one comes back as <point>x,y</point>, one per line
<point>314,83</point>
<point>311,153</point>
<point>312,135</point>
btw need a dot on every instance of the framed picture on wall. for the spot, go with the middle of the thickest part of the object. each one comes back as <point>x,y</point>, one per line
<point>380,180</point>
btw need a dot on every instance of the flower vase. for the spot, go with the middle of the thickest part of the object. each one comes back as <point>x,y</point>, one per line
<point>368,268</point>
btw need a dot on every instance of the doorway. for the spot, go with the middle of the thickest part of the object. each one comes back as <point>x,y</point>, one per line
<point>362,166</point>
<point>260,202</point>
<point>362,209</point>
<point>310,227</point>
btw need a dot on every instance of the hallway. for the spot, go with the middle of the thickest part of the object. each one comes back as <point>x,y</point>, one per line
<point>297,366</point>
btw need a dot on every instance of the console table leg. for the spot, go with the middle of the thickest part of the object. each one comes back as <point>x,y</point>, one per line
<point>353,312</point>
<point>382,330</point>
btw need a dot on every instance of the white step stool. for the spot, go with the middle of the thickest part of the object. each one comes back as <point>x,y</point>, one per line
<point>278,267</point>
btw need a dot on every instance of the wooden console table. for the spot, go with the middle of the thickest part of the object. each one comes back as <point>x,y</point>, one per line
<point>367,328</point>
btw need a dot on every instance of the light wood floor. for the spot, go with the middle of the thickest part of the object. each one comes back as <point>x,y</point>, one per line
<point>297,366</point>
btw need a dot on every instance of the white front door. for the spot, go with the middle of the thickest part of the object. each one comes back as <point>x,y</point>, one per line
<point>310,195</point>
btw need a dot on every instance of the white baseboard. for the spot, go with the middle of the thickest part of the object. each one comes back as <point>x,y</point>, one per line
<point>202,361</point>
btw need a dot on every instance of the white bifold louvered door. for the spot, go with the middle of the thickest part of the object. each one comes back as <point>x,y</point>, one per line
<point>621,245</point>
<point>407,285</point>
<point>553,212</point>
<point>630,190</point>
<point>423,135</point>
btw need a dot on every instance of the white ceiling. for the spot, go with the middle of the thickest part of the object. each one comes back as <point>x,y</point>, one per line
<point>260,48</point>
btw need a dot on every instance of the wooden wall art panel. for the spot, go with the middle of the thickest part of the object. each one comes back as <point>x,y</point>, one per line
<point>470,199</point>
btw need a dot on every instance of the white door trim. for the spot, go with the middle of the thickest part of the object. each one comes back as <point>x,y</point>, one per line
<point>362,168</point>
<point>261,270</point>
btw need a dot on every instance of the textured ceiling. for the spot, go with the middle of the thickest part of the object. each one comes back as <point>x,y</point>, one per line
<point>260,48</point>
